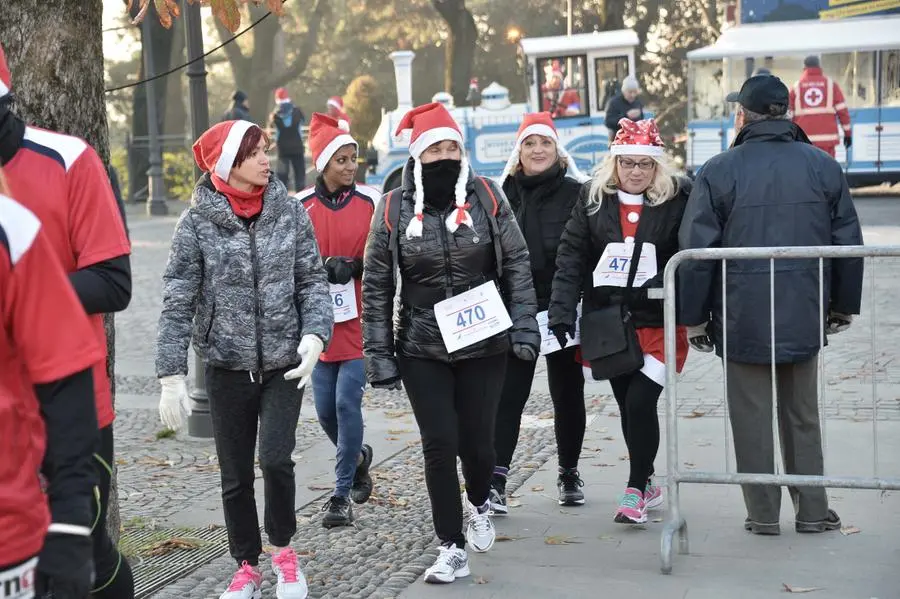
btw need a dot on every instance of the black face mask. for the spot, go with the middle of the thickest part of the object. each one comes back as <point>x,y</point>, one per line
<point>439,182</point>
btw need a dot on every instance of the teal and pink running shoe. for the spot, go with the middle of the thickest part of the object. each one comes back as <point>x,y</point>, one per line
<point>632,509</point>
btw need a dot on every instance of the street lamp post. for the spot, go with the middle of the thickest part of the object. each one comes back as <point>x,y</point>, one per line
<point>568,17</point>
<point>199,422</point>
<point>156,196</point>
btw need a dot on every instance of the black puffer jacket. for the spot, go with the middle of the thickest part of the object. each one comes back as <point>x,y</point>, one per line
<point>542,205</point>
<point>583,243</point>
<point>773,188</point>
<point>428,266</point>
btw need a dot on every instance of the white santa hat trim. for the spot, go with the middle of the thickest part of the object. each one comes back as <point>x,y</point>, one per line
<point>335,103</point>
<point>546,131</point>
<point>230,148</point>
<point>283,101</point>
<point>636,150</point>
<point>333,146</point>
<point>433,136</point>
<point>3,89</point>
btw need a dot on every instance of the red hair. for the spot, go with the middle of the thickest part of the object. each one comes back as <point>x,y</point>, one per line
<point>248,144</point>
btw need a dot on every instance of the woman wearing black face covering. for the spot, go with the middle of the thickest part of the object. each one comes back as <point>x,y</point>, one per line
<point>542,184</point>
<point>448,252</point>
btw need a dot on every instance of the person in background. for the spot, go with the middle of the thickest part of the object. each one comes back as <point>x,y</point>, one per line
<point>772,188</point>
<point>287,122</point>
<point>63,181</point>
<point>634,197</point>
<point>335,109</point>
<point>245,282</point>
<point>341,212</point>
<point>818,104</point>
<point>624,105</point>
<point>443,244</point>
<point>240,109</point>
<point>47,417</point>
<point>542,184</point>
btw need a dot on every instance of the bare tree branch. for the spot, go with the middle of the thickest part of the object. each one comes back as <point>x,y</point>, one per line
<point>306,50</point>
<point>239,62</point>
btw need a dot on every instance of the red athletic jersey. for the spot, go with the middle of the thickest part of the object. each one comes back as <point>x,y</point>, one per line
<point>44,336</point>
<point>341,230</point>
<point>62,180</point>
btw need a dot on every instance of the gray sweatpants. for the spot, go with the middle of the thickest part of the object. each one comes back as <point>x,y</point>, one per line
<point>750,407</point>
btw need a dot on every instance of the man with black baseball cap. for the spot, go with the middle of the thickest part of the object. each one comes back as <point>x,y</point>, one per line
<point>771,188</point>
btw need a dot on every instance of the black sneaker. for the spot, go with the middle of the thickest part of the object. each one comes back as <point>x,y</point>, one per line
<point>362,481</point>
<point>831,522</point>
<point>338,512</point>
<point>498,496</point>
<point>569,484</point>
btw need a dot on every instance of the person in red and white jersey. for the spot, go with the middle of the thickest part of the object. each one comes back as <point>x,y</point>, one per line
<point>46,415</point>
<point>818,103</point>
<point>63,181</point>
<point>341,212</point>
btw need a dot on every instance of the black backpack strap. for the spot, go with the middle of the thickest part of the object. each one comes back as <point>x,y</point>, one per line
<point>489,202</point>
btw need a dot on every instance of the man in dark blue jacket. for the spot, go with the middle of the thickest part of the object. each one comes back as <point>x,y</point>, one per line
<point>772,188</point>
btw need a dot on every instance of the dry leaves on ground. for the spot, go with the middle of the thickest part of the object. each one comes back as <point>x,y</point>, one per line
<point>792,589</point>
<point>505,538</point>
<point>480,580</point>
<point>849,530</point>
<point>399,431</point>
<point>537,488</point>
<point>170,545</point>
<point>513,503</point>
<point>320,487</point>
<point>560,540</point>
<point>690,465</point>
<point>696,414</point>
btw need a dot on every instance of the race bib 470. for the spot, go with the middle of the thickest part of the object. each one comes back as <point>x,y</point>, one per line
<point>470,317</point>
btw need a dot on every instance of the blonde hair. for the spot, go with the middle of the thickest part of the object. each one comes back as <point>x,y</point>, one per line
<point>606,181</point>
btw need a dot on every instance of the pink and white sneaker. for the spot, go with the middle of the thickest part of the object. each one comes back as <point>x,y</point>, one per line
<point>653,496</point>
<point>632,509</point>
<point>291,581</point>
<point>245,584</point>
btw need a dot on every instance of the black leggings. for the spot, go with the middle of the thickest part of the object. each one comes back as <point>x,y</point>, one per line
<point>455,407</point>
<point>637,396</point>
<point>114,579</point>
<point>566,382</point>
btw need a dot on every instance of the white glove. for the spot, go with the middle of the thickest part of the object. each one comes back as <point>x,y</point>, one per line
<point>309,351</point>
<point>699,338</point>
<point>173,402</point>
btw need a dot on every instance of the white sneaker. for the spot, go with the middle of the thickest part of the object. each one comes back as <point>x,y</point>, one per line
<point>245,584</point>
<point>291,581</point>
<point>480,533</point>
<point>451,563</point>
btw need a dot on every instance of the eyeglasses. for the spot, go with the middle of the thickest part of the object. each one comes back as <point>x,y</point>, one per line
<point>644,165</point>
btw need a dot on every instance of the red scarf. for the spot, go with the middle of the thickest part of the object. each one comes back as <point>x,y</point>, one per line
<point>245,204</point>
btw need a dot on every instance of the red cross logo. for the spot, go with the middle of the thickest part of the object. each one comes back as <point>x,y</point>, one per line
<point>813,97</point>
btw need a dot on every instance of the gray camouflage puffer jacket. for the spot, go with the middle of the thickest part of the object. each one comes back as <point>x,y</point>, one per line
<point>252,291</point>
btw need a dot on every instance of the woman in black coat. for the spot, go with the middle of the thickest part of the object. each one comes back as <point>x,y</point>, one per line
<point>542,184</point>
<point>450,238</point>
<point>633,197</point>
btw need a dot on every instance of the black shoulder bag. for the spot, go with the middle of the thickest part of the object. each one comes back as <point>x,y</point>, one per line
<point>608,338</point>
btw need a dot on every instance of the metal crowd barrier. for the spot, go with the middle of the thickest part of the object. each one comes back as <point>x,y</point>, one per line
<point>676,525</point>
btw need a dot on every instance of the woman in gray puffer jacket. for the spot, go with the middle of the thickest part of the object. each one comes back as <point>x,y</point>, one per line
<point>437,228</point>
<point>245,269</point>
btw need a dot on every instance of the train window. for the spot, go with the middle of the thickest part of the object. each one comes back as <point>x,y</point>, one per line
<point>563,85</point>
<point>611,71</point>
<point>890,77</point>
<point>855,73</point>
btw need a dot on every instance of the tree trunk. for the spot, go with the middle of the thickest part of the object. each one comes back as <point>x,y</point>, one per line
<point>460,52</point>
<point>613,15</point>
<point>55,54</point>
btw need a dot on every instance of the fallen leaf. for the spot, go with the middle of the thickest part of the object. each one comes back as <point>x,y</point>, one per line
<point>622,458</point>
<point>603,430</point>
<point>607,538</point>
<point>480,580</point>
<point>392,438</point>
<point>690,465</point>
<point>319,487</point>
<point>602,465</point>
<point>399,431</point>
<point>849,530</point>
<point>609,438</point>
<point>560,540</point>
<point>396,413</point>
<point>537,488</point>
<point>696,414</point>
<point>170,545</point>
<point>702,443</point>
<point>791,589</point>
<point>614,415</point>
<point>505,538</point>
<point>513,503</point>
<point>515,494</point>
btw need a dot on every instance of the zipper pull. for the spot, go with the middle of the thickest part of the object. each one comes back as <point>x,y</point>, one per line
<point>251,377</point>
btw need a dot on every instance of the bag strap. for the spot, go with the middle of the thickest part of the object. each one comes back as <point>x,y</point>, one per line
<point>392,222</point>
<point>632,270</point>
<point>491,207</point>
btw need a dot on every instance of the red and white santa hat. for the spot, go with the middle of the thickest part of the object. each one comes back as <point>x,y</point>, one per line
<point>217,148</point>
<point>282,96</point>
<point>639,138</point>
<point>430,124</point>
<point>5,77</point>
<point>337,103</point>
<point>325,138</point>
<point>539,123</point>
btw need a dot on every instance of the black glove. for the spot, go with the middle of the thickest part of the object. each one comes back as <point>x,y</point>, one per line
<point>393,384</point>
<point>524,352</point>
<point>65,567</point>
<point>560,331</point>
<point>340,270</point>
<point>848,141</point>
<point>357,266</point>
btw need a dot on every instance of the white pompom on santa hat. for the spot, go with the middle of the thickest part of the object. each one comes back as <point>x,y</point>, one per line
<point>5,77</point>
<point>326,137</point>
<point>431,124</point>
<point>637,138</point>
<point>540,123</point>
<point>217,148</point>
<point>337,103</point>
